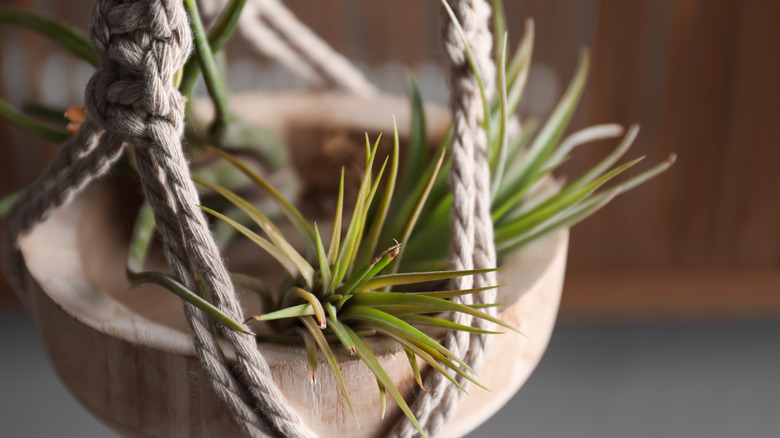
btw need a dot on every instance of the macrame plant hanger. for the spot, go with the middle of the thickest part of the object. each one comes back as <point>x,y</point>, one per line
<point>131,102</point>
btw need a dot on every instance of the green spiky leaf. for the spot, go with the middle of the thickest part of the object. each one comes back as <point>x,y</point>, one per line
<point>545,142</point>
<point>429,321</point>
<point>324,267</point>
<point>187,295</point>
<point>369,358</point>
<point>417,210</point>
<point>382,281</point>
<point>266,245</point>
<point>415,368</point>
<point>335,240</point>
<point>392,301</point>
<point>319,338</point>
<point>372,237</point>
<point>319,311</point>
<point>287,208</point>
<point>288,312</point>
<point>556,203</point>
<point>311,352</point>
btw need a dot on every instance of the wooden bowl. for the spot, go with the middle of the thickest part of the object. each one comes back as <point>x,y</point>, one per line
<point>125,352</point>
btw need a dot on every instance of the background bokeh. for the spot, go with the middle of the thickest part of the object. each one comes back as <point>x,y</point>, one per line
<point>673,292</point>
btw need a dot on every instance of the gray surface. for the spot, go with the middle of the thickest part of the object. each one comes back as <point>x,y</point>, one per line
<point>33,402</point>
<point>639,380</point>
<point>650,381</point>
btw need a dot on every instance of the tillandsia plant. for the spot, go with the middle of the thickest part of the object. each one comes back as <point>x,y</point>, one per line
<point>384,269</point>
<point>334,295</point>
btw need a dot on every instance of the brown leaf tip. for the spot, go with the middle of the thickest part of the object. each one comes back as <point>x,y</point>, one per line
<point>393,251</point>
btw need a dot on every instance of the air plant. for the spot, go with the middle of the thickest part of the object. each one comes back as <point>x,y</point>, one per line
<point>332,295</point>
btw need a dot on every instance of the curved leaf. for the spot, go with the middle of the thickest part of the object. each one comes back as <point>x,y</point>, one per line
<point>319,338</point>
<point>369,358</point>
<point>287,208</point>
<point>57,32</point>
<point>31,125</point>
<point>187,295</point>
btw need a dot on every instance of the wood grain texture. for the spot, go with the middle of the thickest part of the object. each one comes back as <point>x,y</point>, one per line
<point>700,77</point>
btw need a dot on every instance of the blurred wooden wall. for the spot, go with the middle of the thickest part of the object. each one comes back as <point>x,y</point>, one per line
<point>700,76</point>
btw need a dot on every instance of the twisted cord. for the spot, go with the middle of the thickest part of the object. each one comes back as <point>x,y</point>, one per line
<point>484,255</point>
<point>267,42</point>
<point>313,50</point>
<point>272,45</point>
<point>205,344</point>
<point>173,174</point>
<point>141,46</point>
<point>274,31</point>
<point>470,222</point>
<point>81,159</point>
<point>154,167</point>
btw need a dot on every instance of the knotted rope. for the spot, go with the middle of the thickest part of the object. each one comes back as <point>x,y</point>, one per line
<point>131,100</point>
<point>85,156</point>
<point>470,222</point>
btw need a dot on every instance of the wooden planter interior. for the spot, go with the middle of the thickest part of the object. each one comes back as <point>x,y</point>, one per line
<point>126,354</point>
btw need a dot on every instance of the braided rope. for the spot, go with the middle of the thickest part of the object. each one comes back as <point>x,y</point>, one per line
<point>205,344</point>
<point>480,40</point>
<point>85,156</point>
<point>131,99</point>
<point>470,221</point>
<point>144,60</point>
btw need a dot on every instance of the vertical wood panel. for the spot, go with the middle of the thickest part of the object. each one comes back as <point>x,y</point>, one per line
<point>749,214</point>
